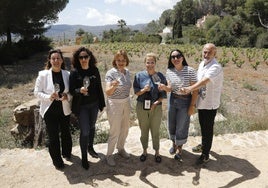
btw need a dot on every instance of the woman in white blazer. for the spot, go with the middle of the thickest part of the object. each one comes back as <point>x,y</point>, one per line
<point>52,88</point>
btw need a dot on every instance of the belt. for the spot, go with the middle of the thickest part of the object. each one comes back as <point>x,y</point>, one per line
<point>181,96</point>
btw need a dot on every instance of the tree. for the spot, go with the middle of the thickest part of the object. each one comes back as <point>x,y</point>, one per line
<point>152,27</point>
<point>121,23</point>
<point>166,18</point>
<point>80,32</point>
<point>28,18</point>
<point>257,11</point>
<point>177,24</point>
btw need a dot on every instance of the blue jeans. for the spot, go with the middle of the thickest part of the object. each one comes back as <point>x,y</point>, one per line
<point>178,119</point>
<point>87,119</point>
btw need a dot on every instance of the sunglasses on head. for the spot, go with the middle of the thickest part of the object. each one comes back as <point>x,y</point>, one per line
<point>83,57</point>
<point>176,56</point>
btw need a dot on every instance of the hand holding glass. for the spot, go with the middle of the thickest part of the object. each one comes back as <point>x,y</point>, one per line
<point>86,83</point>
<point>177,86</point>
<point>118,77</point>
<point>156,79</point>
<point>57,89</point>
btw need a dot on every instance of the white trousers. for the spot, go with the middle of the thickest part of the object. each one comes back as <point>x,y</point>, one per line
<point>118,113</point>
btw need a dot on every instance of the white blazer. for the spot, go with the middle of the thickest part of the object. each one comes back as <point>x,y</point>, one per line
<point>44,88</point>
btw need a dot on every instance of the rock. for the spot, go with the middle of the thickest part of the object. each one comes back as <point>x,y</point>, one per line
<point>24,113</point>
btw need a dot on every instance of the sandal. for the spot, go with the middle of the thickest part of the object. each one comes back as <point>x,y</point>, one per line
<point>173,149</point>
<point>157,158</point>
<point>143,157</point>
<point>178,157</point>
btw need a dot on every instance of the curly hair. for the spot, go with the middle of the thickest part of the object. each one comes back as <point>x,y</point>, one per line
<point>75,60</point>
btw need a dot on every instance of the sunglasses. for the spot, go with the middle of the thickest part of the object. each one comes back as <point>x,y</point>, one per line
<point>83,57</point>
<point>176,56</point>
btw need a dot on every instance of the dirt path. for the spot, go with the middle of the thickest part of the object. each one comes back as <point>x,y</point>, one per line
<point>237,160</point>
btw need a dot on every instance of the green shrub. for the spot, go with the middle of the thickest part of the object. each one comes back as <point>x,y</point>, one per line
<point>262,40</point>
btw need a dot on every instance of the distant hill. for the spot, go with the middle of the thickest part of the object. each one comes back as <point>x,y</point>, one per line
<point>62,31</point>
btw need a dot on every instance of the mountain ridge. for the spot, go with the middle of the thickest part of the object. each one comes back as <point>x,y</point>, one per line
<point>65,31</point>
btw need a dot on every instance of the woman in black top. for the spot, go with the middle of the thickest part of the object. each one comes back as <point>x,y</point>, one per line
<point>88,98</point>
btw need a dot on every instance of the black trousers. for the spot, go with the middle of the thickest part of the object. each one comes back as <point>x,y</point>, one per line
<point>87,120</point>
<point>206,121</point>
<point>58,126</point>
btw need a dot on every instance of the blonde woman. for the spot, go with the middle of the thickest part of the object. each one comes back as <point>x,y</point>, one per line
<point>149,104</point>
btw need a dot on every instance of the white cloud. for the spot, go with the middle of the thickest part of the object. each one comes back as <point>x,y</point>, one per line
<point>151,5</point>
<point>103,18</point>
<point>93,13</point>
<point>110,1</point>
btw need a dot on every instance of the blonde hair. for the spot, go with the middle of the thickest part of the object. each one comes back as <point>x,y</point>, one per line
<point>151,54</point>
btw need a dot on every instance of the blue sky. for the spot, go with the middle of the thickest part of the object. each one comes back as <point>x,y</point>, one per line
<point>102,12</point>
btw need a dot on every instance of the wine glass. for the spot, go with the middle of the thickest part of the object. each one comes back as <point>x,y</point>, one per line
<point>118,77</point>
<point>56,88</point>
<point>177,85</point>
<point>86,83</point>
<point>148,84</point>
<point>156,79</point>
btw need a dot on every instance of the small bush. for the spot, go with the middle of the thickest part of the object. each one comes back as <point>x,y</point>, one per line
<point>250,87</point>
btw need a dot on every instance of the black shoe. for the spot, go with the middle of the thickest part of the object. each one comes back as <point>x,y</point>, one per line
<point>143,157</point>
<point>158,158</point>
<point>93,153</point>
<point>85,164</point>
<point>67,157</point>
<point>59,166</point>
<point>202,159</point>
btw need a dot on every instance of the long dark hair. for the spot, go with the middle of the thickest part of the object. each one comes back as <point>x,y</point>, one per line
<point>75,60</point>
<point>170,64</point>
<point>48,63</point>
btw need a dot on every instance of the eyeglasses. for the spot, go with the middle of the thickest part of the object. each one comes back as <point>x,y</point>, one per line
<point>150,62</point>
<point>83,57</point>
<point>176,56</point>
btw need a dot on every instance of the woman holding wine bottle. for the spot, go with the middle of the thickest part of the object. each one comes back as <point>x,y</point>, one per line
<point>88,99</point>
<point>52,88</point>
<point>149,104</point>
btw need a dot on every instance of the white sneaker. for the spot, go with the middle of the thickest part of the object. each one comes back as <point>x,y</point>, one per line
<point>123,154</point>
<point>110,160</point>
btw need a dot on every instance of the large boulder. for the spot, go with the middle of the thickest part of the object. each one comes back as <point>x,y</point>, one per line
<point>24,113</point>
<point>24,116</point>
